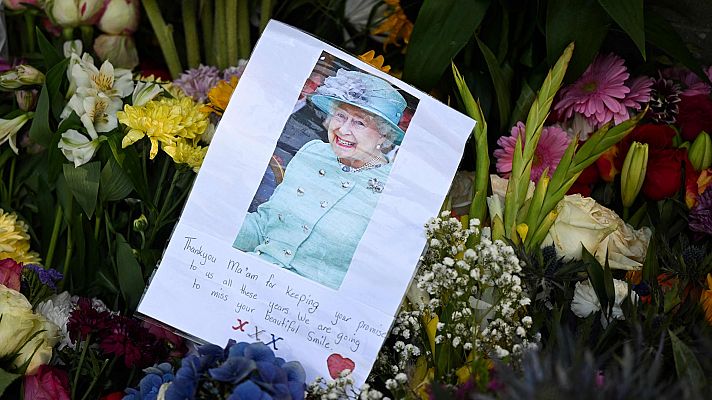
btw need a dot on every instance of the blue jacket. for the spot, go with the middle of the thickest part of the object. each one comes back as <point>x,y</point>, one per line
<point>316,216</point>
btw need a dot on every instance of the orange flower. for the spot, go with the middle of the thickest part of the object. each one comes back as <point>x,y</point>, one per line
<point>371,59</point>
<point>694,189</point>
<point>219,96</point>
<point>606,164</point>
<point>396,24</point>
<point>706,300</point>
<point>634,277</point>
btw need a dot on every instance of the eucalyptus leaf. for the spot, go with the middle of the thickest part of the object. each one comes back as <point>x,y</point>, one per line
<point>130,276</point>
<point>83,182</point>
<point>115,184</point>
<point>442,29</point>
<point>628,15</point>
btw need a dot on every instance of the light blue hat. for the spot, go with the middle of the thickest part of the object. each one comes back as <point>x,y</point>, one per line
<point>364,91</point>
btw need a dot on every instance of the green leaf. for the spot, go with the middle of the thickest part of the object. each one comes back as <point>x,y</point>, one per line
<point>659,32</point>
<point>581,21</point>
<point>50,54</point>
<point>442,29</point>
<point>115,184</point>
<point>83,182</point>
<point>686,364</point>
<point>597,278</point>
<point>130,162</point>
<point>40,131</point>
<point>130,276</point>
<point>6,379</point>
<point>55,77</point>
<point>628,15</point>
<point>501,79</point>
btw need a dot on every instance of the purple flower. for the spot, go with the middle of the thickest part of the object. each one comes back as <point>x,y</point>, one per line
<point>196,82</point>
<point>237,72</point>
<point>701,215</point>
<point>48,277</point>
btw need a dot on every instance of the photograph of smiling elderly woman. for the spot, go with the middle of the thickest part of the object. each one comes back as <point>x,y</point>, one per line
<point>316,217</point>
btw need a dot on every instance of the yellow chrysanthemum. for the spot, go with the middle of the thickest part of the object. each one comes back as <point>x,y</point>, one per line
<point>370,58</point>
<point>396,25</point>
<point>163,121</point>
<point>219,96</point>
<point>184,153</point>
<point>14,240</point>
<point>706,300</point>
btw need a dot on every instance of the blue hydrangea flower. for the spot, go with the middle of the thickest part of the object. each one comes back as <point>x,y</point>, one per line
<point>150,385</point>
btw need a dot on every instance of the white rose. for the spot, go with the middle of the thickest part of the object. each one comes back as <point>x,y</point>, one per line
<point>582,221</point>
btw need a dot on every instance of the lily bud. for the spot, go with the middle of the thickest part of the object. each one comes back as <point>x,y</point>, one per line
<point>120,17</point>
<point>20,76</point>
<point>72,13</point>
<point>19,4</point>
<point>140,224</point>
<point>633,173</point>
<point>700,153</point>
<point>27,99</point>
<point>119,50</point>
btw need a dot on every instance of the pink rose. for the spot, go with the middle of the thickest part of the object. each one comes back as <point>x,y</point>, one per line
<point>10,274</point>
<point>48,383</point>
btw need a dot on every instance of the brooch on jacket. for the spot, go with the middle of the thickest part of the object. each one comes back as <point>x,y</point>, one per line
<point>375,185</point>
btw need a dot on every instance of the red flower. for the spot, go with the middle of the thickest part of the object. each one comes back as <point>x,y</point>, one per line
<point>85,320</point>
<point>10,273</point>
<point>584,183</point>
<point>664,176</point>
<point>606,164</point>
<point>695,116</point>
<point>48,383</point>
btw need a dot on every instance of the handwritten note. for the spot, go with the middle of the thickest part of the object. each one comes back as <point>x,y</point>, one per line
<point>207,289</point>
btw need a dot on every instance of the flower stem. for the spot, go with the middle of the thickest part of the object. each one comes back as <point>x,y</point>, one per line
<point>231,26</point>
<point>219,34</point>
<point>53,238</point>
<point>81,362</point>
<point>157,223</point>
<point>206,22</point>
<point>190,28</point>
<point>164,34</point>
<point>265,14</point>
<point>87,32</point>
<point>96,378</point>
<point>30,30</point>
<point>243,37</point>
<point>68,254</point>
<point>11,179</point>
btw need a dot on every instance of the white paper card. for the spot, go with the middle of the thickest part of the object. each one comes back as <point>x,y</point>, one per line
<point>305,224</point>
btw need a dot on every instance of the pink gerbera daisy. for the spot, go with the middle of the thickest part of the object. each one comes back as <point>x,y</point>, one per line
<point>639,94</point>
<point>551,147</point>
<point>599,93</point>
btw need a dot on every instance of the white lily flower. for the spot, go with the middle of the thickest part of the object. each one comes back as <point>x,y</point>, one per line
<point>10,127</point>
<point>145,92</point>
<point>96,110</point>
<point>113,82</point>
<point>77,147</point>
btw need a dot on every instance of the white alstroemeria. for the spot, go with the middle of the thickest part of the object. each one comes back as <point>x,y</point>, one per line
<point>10,127</point>
<point>112,82</point>
<point>96,110</point>
<point>77,147</point>
<point>145,92</point>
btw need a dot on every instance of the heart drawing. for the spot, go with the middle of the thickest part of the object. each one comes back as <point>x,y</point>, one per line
<point>337,363</point>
